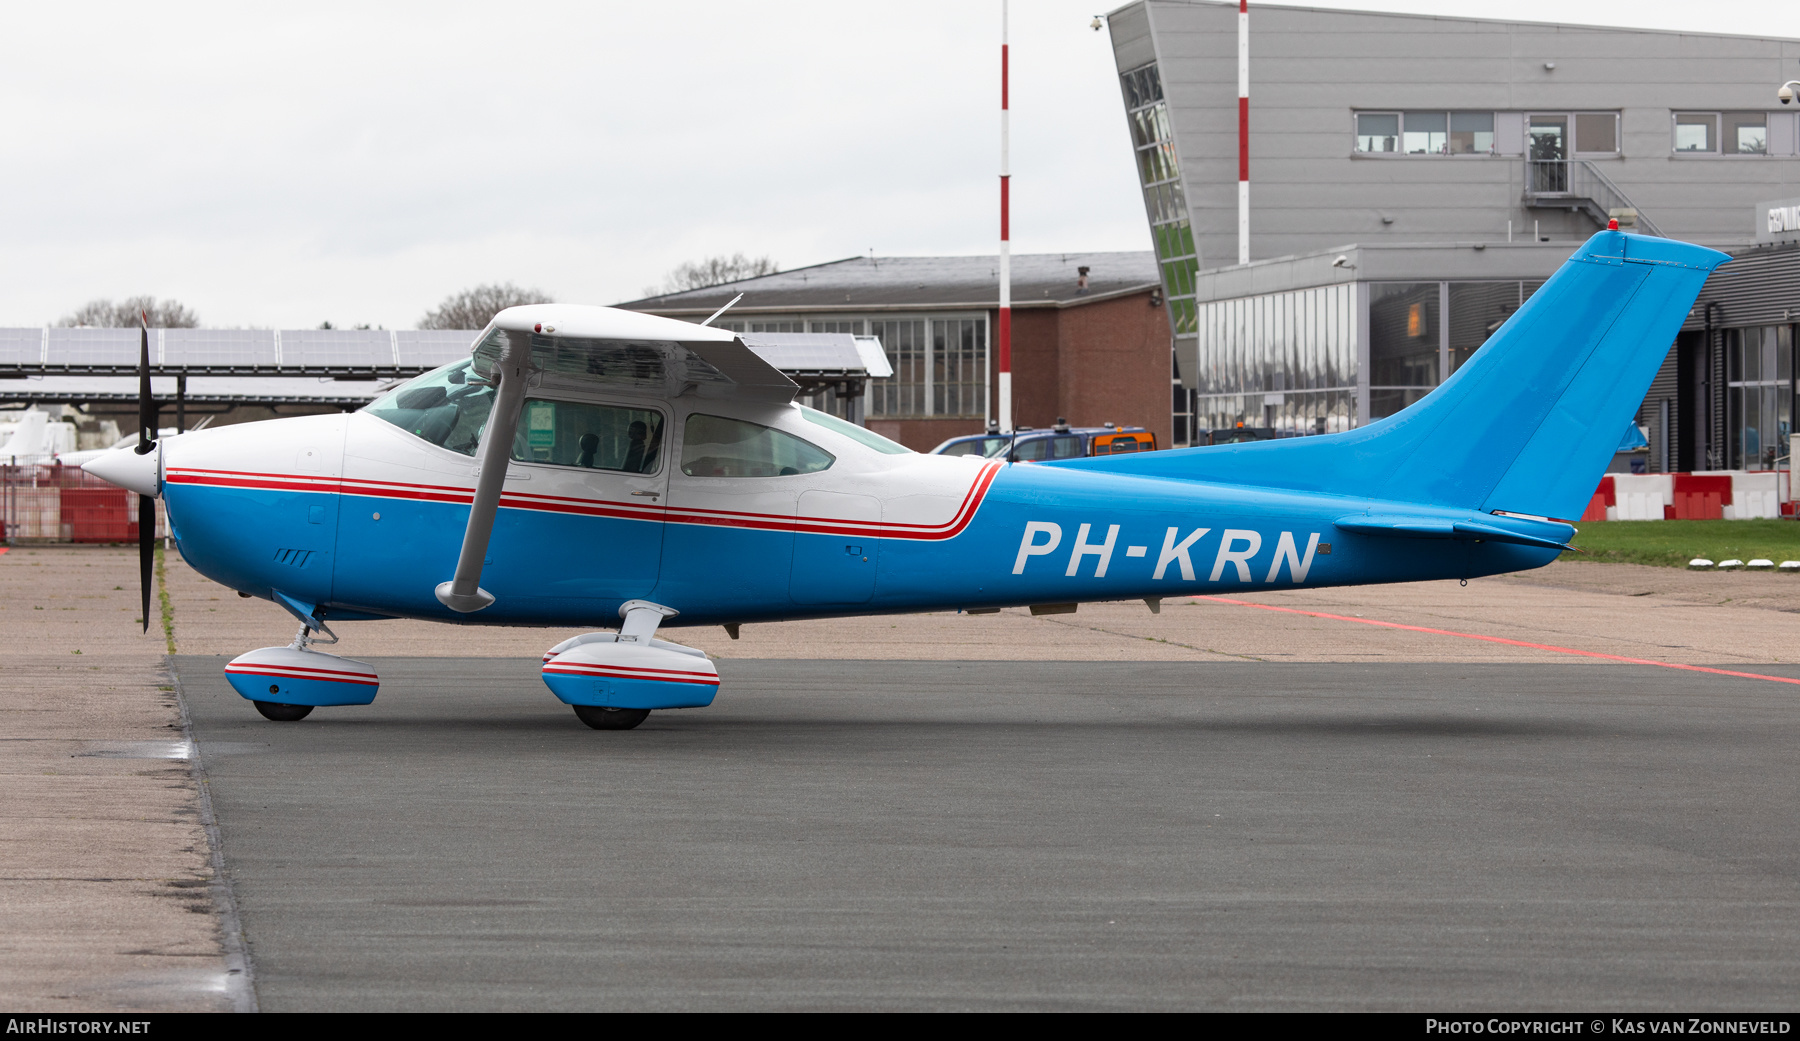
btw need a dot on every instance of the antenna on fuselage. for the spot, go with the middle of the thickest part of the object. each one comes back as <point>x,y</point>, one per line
<point>722,310</point>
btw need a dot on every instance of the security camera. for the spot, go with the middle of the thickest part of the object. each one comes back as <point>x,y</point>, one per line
<point>1785,94</point>
<point>1343,260</point>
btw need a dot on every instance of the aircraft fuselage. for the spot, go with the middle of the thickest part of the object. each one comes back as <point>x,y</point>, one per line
<point>363,519</point>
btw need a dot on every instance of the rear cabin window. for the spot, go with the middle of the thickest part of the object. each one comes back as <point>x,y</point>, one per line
<point>447,407</point>
<point>589,435</point>
<point>713,446</point>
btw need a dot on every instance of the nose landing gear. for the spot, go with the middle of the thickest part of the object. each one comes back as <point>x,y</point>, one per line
<point>287,683</point>
<point>281,713</point>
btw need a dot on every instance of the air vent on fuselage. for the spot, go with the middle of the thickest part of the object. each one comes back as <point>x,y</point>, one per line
<point>293,557</point>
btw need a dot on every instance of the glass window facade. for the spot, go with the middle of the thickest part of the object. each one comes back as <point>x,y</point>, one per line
<point>1425,133</point>
<point>1760,393</point>
<point>1378,131</point>
<point>941,363</point>
<point>1171,229</point>
<point>1286,361</point>
<point>1746,133</point>
<point>1295,362</point>
<point>1477,310</point>
<point>1696,132</point>
<point>1727,133</point>
<point>1597,132</point>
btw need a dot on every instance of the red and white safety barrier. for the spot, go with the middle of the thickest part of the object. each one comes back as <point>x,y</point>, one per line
<point>1702,495</point>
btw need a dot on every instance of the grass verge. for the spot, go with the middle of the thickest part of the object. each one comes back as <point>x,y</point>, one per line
<point>1672,543</point>
<point>162,593</point>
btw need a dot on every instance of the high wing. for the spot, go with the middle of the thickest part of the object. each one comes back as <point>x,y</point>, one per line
<point>573,345</point>
<point>629,353</point>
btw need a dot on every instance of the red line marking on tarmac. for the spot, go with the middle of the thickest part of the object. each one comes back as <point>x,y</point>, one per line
<point>3,550</point>
<point>1504,640</point>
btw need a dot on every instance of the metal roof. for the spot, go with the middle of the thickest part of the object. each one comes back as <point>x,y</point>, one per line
<point>919,283</point>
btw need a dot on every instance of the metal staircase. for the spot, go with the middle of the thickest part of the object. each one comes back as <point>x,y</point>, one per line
<point>1578,185</point>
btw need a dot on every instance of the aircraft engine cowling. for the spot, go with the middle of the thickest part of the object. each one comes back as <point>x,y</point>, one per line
<point>600,669</point>
<point>296,676</point>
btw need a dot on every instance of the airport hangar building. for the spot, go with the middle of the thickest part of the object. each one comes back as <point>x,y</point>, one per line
<point>1090,337</point>
<point>1412,179</point>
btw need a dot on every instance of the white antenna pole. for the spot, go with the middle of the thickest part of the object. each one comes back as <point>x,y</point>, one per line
<point>1006,409</point>
<point>722,310</point>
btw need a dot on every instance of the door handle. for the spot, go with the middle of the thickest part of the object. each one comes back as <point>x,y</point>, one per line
<point>650,494</point>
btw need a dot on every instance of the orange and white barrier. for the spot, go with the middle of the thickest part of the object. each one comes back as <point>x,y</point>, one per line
<point>1702,495</point>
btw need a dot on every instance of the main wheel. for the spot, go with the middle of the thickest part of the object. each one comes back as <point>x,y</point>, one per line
<point>282,713</point>
<point>601,718</point>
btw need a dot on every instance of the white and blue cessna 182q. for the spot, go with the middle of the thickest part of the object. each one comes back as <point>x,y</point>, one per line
<point>588,465</point>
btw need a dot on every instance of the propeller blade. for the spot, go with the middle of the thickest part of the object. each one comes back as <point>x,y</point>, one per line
<point>146,406</point>
<point>146,444</point>
<point>146,549</point>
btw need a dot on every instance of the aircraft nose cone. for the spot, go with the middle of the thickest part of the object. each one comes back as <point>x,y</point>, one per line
<point>128,470</point>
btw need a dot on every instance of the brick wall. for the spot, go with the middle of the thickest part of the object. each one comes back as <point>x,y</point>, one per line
<point>1106,361</point>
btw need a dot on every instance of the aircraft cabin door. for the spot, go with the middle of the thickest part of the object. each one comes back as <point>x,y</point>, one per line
<point>835,567</point>
<point>587,490</point>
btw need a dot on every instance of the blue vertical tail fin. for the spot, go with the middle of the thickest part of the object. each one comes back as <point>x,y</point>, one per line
<point>1527,425</point>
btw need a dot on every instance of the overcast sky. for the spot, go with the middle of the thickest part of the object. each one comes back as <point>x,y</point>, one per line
<point>285,165</point>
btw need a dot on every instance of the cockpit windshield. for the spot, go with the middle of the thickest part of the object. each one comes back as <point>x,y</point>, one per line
<point>447,407</point>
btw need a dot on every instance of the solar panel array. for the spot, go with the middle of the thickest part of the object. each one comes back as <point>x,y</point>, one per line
<point>323,352</point>
<point>91,360</point>
<point>201,390</point>
<point>807,352</point>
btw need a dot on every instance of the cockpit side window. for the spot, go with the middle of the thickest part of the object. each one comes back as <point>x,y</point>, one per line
<point>713,446</point>
<point>447,407</point>
<point>589,435</point>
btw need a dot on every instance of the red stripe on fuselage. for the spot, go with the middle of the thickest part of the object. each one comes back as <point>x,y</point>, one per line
<point>600,507</point>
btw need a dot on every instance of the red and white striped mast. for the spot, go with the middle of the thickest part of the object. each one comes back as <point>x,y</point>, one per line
<point>1006,413</point>
<point>1243,131</point>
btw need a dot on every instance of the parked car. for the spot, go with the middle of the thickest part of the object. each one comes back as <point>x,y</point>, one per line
<point>1239,434</point>
<point>1062,441</point>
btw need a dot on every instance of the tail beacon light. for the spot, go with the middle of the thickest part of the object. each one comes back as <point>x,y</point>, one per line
<point>299,676</point>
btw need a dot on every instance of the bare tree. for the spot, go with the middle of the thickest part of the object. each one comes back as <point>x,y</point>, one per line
<point>472,308</point>
<point>713,271</point>
<point>105,314</point>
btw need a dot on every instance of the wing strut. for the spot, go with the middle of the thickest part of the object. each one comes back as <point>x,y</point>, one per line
<point>463,593</point>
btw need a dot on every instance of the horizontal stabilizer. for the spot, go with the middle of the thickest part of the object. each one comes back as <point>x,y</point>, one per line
<point>1469,528</point>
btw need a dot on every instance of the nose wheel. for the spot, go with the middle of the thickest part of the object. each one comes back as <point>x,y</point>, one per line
<point>282,713</point>
<point>596,716</point>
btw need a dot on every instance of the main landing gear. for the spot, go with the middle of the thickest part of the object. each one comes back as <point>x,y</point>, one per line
<point>614,680</point>
<point>281,713</point>
<point>600,717</point>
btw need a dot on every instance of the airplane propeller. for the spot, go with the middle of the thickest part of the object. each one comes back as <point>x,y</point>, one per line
<point>146,444</point>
